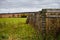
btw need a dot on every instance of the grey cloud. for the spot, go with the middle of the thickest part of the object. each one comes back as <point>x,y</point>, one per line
<point>25,3</point>
<point>29,4</point>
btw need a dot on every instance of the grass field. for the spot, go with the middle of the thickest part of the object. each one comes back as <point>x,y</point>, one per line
<point>16,29</point>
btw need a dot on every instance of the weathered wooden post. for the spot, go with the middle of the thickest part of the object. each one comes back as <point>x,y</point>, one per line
<point>44,24</point>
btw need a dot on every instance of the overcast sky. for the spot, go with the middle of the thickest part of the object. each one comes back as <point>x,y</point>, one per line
<point>27,5</point>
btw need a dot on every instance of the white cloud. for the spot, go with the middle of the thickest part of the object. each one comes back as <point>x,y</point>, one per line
<point>11,10</point>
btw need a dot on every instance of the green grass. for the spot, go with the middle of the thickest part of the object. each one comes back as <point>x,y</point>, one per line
<point>16,29</point>
<point>13,20</point>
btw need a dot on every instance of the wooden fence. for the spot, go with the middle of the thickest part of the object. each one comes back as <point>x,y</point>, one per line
<point>46,23</point>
